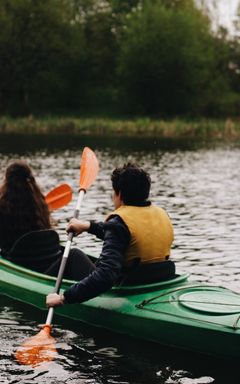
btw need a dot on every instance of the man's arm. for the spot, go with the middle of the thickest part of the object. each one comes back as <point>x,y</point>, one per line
<point>97,229</point>
<point>77,227</point>
<point>108,268</point>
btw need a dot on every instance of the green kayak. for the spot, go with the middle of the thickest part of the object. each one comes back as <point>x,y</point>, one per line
<point>177,313</point>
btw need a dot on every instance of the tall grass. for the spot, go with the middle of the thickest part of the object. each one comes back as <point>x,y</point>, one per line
<point>202,128</point>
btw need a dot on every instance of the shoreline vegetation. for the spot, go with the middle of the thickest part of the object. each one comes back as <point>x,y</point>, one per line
<point>203,128</point>
<point>116,58</point>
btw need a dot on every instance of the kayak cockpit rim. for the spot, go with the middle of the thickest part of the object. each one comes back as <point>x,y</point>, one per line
<point>151,287</point>
<point>28,273</point>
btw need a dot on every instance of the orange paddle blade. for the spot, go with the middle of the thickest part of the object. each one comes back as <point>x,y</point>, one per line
<point>38,349</point>
<point>89,168</point>
<point>59,197</point>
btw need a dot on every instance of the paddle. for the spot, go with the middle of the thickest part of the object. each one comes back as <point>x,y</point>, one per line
<point>41,347</point>
<point>59,197</point>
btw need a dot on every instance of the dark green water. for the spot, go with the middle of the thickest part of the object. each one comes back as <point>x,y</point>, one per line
<point>198,184</point>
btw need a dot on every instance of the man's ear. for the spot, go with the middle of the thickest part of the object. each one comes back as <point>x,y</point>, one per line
<point>118,194</point>
<point>120,197</point>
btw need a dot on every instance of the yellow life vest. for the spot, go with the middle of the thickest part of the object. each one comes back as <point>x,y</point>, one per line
<point>151,232</point>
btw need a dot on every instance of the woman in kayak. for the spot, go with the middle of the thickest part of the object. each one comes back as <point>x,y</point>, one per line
<point>22,205</point>
<point>137,238</point>
<point>23,210</point>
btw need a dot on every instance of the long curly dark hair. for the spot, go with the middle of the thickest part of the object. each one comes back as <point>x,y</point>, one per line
<point>22,204</point>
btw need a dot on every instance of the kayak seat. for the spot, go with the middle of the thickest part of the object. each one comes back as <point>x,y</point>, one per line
<point>36,250</point>
<point>148,273</point>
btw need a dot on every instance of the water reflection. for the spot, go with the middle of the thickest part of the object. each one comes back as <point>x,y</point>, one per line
<point>88,355</point>
<point>198,186</point>
<point>28,143</point>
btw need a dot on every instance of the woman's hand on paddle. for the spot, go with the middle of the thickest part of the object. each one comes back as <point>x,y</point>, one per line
<point>54,300</point>
<point>77,226</point>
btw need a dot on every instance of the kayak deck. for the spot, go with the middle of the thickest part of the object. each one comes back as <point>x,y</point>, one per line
<point>178,312</point>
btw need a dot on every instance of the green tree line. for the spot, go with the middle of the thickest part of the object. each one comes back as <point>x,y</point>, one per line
<point>156,58</point>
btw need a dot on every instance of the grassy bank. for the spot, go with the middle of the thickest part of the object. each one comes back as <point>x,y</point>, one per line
<point>202,128</point>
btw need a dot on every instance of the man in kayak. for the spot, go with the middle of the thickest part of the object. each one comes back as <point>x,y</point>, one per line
<point>137,238</point>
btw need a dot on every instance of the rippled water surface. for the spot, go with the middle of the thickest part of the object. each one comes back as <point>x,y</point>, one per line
<point>199,187</point>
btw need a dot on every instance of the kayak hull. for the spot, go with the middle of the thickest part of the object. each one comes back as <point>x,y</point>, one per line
<point>177,313</point>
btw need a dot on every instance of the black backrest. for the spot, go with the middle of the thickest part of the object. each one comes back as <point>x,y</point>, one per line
<point>36,250</point>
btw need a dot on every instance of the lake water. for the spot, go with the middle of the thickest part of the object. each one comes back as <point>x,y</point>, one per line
<point>198,184</point>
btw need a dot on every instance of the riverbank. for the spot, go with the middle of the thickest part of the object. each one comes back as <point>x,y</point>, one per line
<point>176,128</point>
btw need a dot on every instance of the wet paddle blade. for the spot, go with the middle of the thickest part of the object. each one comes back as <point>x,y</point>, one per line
<point>59,197</point>
<point>89,168</point>
<point>38,349</point>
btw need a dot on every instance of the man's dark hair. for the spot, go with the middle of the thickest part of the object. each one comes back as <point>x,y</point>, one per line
<point>132,182</point>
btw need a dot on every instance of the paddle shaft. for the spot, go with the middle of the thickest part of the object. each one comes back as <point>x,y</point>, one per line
<point>65,256</point>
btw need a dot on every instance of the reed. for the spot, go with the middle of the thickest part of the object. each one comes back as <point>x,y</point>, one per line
<point>201,128</point>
